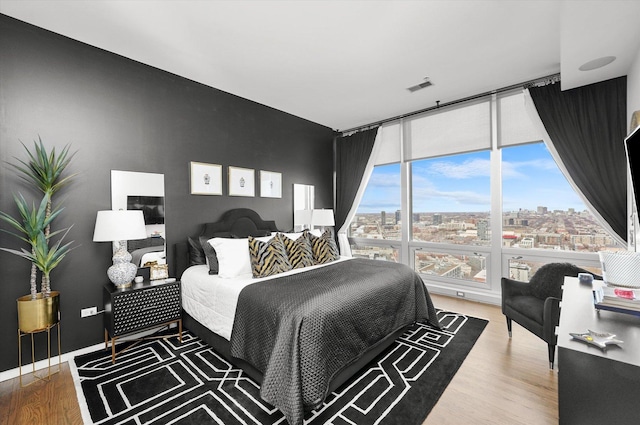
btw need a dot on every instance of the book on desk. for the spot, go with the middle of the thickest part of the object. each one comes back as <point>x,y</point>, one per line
<point>621,300</point>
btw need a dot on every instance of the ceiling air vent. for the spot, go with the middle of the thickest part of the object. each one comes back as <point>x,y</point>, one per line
<point>420,86</point>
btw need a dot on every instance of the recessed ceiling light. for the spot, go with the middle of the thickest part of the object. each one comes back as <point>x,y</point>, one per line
<point>597,63</point>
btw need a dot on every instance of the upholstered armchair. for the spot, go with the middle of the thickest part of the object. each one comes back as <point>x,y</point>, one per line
<point>535,305</point>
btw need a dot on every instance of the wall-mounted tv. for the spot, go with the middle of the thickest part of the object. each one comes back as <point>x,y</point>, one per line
<point>152,207</point>
<point>632,148</point>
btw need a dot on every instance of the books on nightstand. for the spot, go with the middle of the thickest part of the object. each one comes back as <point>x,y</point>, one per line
<point>622,300</point>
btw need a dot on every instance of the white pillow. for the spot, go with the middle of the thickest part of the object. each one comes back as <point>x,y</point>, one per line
<point>296,235</point>
<point>263,238</point>
<point>293,236</point>
<point>233,257</point>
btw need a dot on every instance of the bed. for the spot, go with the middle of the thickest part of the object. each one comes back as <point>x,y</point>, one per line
<point>300,333</point>
<point>149,250</point>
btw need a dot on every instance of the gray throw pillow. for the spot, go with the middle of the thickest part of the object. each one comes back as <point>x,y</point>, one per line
<point>196,253</point>
<point>548,280</point>
<point>209,252</point>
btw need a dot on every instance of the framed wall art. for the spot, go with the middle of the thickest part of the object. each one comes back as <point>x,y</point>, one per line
<point>206,179</point>
<point>270,184</point>
<point>242,182</point>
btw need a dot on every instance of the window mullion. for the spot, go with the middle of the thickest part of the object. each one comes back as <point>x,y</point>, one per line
<point>405,197</point>
<point>494,269</point>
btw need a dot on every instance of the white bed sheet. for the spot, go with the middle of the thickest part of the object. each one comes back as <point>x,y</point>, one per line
<point>212,300</point>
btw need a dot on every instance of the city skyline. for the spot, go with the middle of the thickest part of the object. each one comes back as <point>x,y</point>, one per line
<point>460,183</point>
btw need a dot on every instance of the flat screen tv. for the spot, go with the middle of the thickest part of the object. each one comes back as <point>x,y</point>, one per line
<point>632,148</point>
<point>152,207</point>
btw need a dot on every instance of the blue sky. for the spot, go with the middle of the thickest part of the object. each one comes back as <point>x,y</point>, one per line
<point>460,183</point>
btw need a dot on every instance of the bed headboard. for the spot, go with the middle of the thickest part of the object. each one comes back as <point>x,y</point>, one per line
<point>239,222</point>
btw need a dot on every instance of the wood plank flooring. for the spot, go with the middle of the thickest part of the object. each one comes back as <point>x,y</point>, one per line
<point>502,381</point>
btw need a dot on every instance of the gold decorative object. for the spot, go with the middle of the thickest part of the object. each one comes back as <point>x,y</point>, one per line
<point>159,271</point>
<point>39,314</point>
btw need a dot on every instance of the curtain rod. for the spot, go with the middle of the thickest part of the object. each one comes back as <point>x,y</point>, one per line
<point>543,81</point>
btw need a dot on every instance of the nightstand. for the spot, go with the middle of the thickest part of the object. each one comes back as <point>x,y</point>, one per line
<point>140,307</point>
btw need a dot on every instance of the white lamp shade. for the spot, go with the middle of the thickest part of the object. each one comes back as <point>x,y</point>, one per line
<point>322,218</point>
<point>121,225</point>
<point>302,217</point>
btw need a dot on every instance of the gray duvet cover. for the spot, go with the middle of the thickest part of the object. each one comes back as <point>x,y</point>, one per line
<point>301,330</point>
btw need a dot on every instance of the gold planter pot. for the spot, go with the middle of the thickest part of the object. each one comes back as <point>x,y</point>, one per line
<point>39,314</point>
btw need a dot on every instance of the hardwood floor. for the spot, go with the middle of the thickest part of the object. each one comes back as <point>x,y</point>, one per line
<point>502,381</point>
<point>49,403</point>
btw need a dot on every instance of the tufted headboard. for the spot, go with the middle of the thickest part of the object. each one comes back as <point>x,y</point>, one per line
<point>238,222</point>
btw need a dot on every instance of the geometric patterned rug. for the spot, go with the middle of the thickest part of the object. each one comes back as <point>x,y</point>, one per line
<point>164,381</point>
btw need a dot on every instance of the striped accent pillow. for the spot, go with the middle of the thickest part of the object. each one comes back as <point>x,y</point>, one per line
<point>298,251</point>
<point>268,258</point>
<point>324,248</point>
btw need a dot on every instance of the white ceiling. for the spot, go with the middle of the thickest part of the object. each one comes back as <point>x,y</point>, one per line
<point>348,63</point>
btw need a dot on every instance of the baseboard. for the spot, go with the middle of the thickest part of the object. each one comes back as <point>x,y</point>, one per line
<point>43,364</point>
<point>65,357</point>
<point>471,295</point>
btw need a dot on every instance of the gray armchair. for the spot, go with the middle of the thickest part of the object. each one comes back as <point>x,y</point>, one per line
<point>535,305</point>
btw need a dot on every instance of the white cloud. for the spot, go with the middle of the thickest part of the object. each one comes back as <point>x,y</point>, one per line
<point>384,180</point>
<point>428,197</point>
<point>468,169</point>
<point>527,169</point>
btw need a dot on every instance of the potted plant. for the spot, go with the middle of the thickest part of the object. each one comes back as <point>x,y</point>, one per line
<point>38,310</point>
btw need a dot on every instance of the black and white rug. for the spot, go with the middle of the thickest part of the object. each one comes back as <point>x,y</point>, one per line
<point>164,381</point>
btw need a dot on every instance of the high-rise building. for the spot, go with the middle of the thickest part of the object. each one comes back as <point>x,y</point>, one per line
<point>383,217</point>
<point>398,217</point>
<point>437,219</point>
<point>542,210</point>
<point>483,230</point>
<point>519,271</point>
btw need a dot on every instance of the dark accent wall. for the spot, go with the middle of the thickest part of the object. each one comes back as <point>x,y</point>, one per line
<point>120,114</point>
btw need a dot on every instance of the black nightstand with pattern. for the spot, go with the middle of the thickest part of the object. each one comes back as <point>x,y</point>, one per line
<point>142,306</point>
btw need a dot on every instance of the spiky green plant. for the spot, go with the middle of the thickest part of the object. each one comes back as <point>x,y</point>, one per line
<point>44,171</point>
<point>44,257</point>
<point>32,222</point>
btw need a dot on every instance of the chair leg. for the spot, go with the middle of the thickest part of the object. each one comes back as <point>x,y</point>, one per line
<point>552,354</point>
<point>508,325</point>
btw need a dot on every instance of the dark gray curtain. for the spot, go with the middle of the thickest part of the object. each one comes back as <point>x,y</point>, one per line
<point>587,126</point>
<point>352,155</point>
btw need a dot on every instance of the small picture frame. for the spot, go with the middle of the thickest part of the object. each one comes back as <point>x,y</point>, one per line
<point>158,271</point>
<point>270,184</point>
<point>206,179</point>
<point>242,182</point>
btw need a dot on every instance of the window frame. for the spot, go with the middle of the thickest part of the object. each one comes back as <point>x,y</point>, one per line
<point>497,256</point>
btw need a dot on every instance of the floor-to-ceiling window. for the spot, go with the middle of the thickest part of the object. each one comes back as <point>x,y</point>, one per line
<point>542,212</point>
<point>451,216</point>
<point>378,216</point>
<point>473,195</point>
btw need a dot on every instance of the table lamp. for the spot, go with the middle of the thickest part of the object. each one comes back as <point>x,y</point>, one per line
<point>322,218</point>
<point>119,227</point>
<point>302,218</point>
